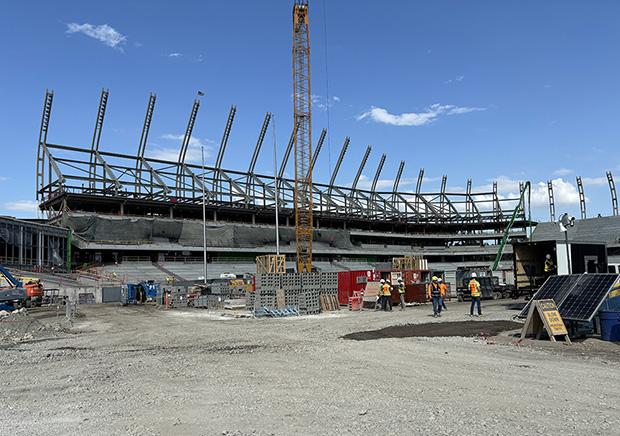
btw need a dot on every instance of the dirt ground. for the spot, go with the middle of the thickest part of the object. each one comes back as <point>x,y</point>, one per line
<point>140,370</point>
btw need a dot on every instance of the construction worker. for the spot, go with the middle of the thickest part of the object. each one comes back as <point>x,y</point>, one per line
<point>434,294</point>
<point>379,303</point>
<point>401,293</point>
<point>386,294</point>
<point>549,266</point>
<point>474,288</point>
<point>444,291</point>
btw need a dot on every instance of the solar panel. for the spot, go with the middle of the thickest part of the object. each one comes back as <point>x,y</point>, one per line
<point>555,287</point>
<point>586,296</point>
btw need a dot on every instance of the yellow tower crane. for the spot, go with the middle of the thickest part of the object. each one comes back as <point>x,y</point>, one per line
<point>303,137</point>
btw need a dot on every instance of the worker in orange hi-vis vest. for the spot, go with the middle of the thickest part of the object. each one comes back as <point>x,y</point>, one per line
<point>444,292</point>
<point>474,288</point>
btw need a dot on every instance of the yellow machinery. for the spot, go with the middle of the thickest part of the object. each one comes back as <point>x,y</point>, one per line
<point>303,137</point>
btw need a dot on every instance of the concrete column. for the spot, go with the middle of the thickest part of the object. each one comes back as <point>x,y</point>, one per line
<point>40,249</point>
<point>253,219</point>
<point>21,245</point>
<point>215,216</point>
<point>171,212</point>
<point>122,209</point>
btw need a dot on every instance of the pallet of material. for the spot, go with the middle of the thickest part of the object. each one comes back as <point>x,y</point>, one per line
<point>329,303</point>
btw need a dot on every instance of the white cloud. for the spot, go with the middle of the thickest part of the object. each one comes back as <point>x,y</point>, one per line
<point>594,181</point>
<point>3,179</point>
<point>564,192</point>
<point>562,172</point>
<point>175,55</point>
<point>320,102</point>
<point>456,79</point>
<point>22,206</point>
<point>381,115</point>
<point>103,33</point>
<point>194,150</point>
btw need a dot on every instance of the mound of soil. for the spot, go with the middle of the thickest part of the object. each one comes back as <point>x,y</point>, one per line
<point>437,329</point>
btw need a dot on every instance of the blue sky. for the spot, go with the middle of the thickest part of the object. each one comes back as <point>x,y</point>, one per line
<point>482,89</point>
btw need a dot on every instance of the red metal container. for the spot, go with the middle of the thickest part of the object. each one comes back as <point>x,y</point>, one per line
<point>350,282</point>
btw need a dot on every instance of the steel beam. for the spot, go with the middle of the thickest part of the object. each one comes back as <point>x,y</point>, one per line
<point>375,180</point>
<point>103,103</point>
<point>108,171</point>
<point>43,129</point>
<point>188,132</point>
<point>224,141</point>
<point>399,174</point>
<point>442,192</point>
<point>418,188</point>
<point>612,189</point>
<point>360,169</point>
<point>318,148</point>
<point>287,152</point>
<point>187,137</point>
<point>343,151</point>
<point>551,201</point>
<point>468,206</point>
<point>259,143</point>
<point>582,198</point>
<point>497,208</point>
<point>144,138</point>
<point>156,176</point>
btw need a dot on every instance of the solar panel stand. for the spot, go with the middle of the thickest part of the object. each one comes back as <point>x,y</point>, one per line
<point>537,322</point>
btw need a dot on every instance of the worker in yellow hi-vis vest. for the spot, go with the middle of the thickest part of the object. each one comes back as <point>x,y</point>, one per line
<point>474,289</point>
<point>549,266</point>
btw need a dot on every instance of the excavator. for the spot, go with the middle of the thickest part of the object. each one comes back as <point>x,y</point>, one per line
<point>22,291</point>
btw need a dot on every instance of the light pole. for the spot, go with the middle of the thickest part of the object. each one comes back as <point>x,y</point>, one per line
<point>566,221</point>
<point>204,219</point>
<point>275,181</point>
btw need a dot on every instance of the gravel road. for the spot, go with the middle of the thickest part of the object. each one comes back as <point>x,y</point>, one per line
<point>140,370</point>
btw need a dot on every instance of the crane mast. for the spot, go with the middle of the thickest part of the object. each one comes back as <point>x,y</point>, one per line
<point>303,136</point>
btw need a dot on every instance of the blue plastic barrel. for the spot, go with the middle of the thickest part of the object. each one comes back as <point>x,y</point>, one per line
<point>610,325</point>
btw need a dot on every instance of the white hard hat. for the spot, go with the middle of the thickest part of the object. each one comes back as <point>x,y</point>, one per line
<point>548,256</point>
<point>440,279</point>
<point>381,281</point>
<point>400,279</point>
<point>474,274</point>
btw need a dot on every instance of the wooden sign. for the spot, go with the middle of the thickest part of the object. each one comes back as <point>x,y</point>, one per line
<point>544,314</point>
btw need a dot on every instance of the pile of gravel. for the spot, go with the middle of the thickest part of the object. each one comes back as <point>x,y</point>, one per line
<point>18,326</point>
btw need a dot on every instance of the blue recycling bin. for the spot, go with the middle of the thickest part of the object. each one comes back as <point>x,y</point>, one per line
<point>610,325</point>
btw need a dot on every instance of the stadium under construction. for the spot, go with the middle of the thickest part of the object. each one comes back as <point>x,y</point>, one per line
<point>120,206</point>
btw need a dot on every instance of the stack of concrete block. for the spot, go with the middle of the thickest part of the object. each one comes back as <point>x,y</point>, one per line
<point>291,284</point>
<point>250,299</point>
<point>329,283</point>
<point>309,302</point>
<point>309,298</point>
<point>268,281</point>
<point>265,298</point>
